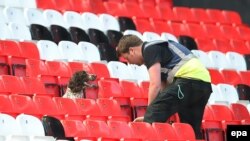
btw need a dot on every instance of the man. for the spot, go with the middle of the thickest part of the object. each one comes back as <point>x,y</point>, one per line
<point>178,81</point>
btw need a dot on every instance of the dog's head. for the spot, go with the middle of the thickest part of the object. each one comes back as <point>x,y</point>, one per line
<point>79,79</point>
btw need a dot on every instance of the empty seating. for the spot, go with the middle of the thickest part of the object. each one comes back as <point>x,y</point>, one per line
<point>27,124</point>
<point>150,36</point>
<point>9,125</point>
<point>14,15</point>
<point>90,52</point>
<point>219,60</point>
<point>237,61</point>
<point>143,130</point>
<point>34,16</point>
<point>168,36</point>
<point>74,128</point>
<point>109,22</point>
<point>133,32</point>
<point>48,50</point>
<point>19,31</point>
<point>140,73</point>
<point>239,111</point>
<point>184,131</point>
<point>119,70</point>
<point>70,51</point>
<point>4,31</point>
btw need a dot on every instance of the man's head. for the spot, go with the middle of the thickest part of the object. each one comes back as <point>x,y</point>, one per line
<point>129,48</point>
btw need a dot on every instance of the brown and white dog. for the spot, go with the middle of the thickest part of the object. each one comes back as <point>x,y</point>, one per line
<point>78,83</point>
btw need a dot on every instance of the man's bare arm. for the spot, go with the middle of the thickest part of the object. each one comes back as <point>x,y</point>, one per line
<point>155,81</point>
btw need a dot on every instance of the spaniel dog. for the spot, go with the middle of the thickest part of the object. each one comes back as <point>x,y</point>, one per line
<point>78,83</point>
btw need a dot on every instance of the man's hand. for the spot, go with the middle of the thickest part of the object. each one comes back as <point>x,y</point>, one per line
<point>139,119</point>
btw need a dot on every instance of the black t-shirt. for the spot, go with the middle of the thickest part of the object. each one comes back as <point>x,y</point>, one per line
<point>157,53</point>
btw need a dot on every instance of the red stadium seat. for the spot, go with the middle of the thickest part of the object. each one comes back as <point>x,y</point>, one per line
<point>6,105</point>
<point>230,32</point>
<point>205,44</point>
<point>120,129</point>
<point>231,77</point>
<point>222,45</point>
<point>200,15</point>
<point>221,112</point>
<point>184,131</point>
<point>143,130</point>
<point>212,130</point>
<point>12,84</point>
<point>79,66</point>
<point>63,5</point>
<point>196,31</point>
<point>213,31</point>
<point>232,17</point>
<point>66,105</point>
<point>74,128</point>
<point>115,8</point>
<point>93,6</point>
<point>161,26</point>
<point>164,131</point>
<point>130,89</point>
<point>143,25</point>
<point>239,111</point>
<point>134,10</point>
<point>216,15</point>
<point>45,4</point>
<point>244,31</point>
<point>216,76</point>
<point>29,50</point>
<point>245,76</point>
<point>100,69</point>
<point>33,86</point>
<point>183,14</point>
<point>97,128</point>
<point>24,104</point>
<point>239,46</point>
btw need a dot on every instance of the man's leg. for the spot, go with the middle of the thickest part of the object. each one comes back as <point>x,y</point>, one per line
<point>164,105</point>
<point>193,105</point>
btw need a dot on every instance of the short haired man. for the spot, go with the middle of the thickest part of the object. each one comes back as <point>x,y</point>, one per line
<point>178,81</point>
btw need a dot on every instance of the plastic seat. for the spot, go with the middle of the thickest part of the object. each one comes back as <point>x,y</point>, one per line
<point>19,31</point>
<point>126,23</point>
<point>40,32</point>
<point>74,128</point>
<point>29,50</point>
<point>188,42</point>
<point>230,32</point>
<point>42,138</point>
<point>66,105</point>
<point>216,15</point>
<point>48,50</point>
<point>205,44</point>
<point>12,84</point>
<point>243,31</point>
<point>27,123</point>
<point>97,128</point>
<point>144,86</point>
<point>143,25</point>
<point>161,27</point>
<point>115,8</point>
<point>140,73</point>
<point>90,52</point>
<point>231,77</point>
<point>4,31</point>
<point>8,125</point>
<point>154,13</point>
<point>196,30</point>
<point>78,35</point>
<point>79,66</point>
<point>34,16</point>
<point>213,130</point>
<point>100,69</point>
<point>91,20</point>
<point>184,131</point>
<point>143,130</point>
<point>213,31</point>
<point>70,51</point>
<point>120,129</point>
<point>33,86</point>
<point>183,14</point>
<point>63,5</point>
<point>219,60</point>
<point>53,127</point>
<point>243,91</point>
<point>114,37</point>
<point>228,93</point>
<point>24,104</point>
<point>119,70</point>
<point>130,89</point>
<point>46,106</point>
<point>239,46</point>
<point>73,19</point>
<point>133,32</point>
<point>200,15</point>
<point>87,107</point>
<point>232,17</point>
<point>18,138</point>
<point>222,45</point>
<point>150,36</point>
<point>133,9</point>
<point>94,6</point>
<point>203,57</point>
<point>215,97</point>
<point>59,33</point>
<point>221,112</point>
<point>239,111</point>
<point>11,60</point>
<point>166,12</point>
<point>45,4</point>
<point>97,37</point>
<point>237,61</point>
<point>109,22</point>
<point>6,105</point>
<point>14,15</point>
<point>164,131</point>
<point>139,106</point>
<point>53,17</point>
<point>169,36</point>
<point>111,108</point>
